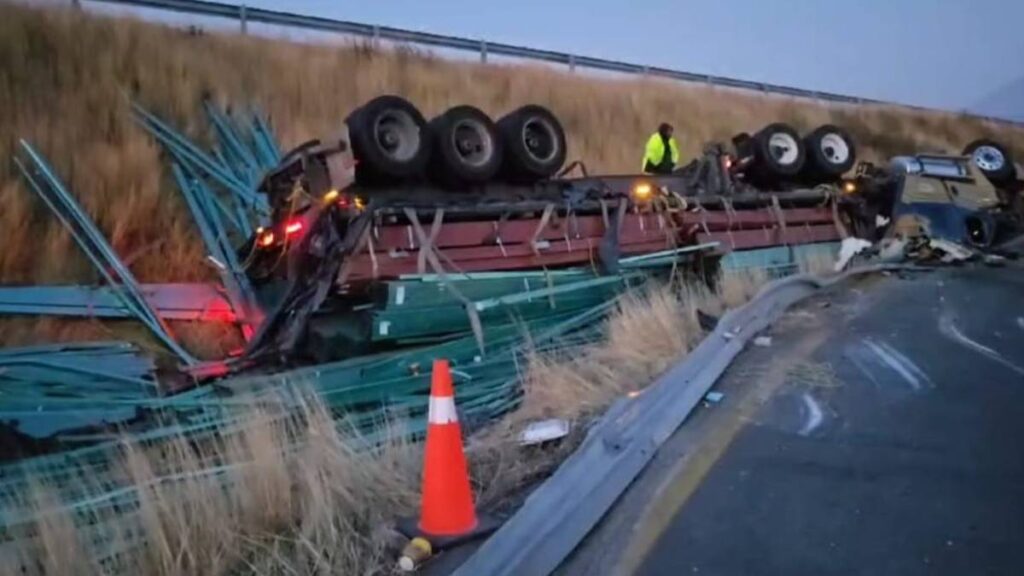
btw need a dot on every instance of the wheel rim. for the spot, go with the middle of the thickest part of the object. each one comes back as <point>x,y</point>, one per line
<point>539,139</point>
<point>834,148</point>
<point>988,158</point>
<point>783,148</point>
<point>472,142</point>
<point>397,135</point>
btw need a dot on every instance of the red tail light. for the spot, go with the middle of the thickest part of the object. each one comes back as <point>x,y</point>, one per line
<point>293,228</point>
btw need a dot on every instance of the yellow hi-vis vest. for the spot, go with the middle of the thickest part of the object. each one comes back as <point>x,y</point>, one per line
<point>654,152</point>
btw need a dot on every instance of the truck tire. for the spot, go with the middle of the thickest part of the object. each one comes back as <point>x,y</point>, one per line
<point>993,159</point>
<point>389,140</point>
<point>465,146</point>
<point>831,152</point>
<point>534,142</point>
<point>779,151</point>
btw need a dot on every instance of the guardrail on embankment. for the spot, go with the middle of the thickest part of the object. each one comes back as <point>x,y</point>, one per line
<point>559,514</point>
<point>246,15</point>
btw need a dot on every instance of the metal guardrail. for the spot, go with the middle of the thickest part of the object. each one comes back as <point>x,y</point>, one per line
<point>244,15</point>
<point>560,513</point>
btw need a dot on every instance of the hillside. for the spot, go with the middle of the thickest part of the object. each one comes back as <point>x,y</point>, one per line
<point>66,78</point>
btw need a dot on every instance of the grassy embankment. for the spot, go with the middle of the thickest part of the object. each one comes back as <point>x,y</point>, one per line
<point>65,78</point>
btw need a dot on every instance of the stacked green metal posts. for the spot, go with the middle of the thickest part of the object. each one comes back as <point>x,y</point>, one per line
<point>47,390</point>
<point>364,393</point>
<point>420,309</point>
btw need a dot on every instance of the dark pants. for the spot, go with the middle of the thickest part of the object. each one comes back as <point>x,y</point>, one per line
<point>665,167</point>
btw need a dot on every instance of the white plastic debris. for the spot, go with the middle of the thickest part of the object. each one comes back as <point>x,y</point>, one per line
<point>953,252</point>
<point>995,260</point>
<point>217,263</point>
<point>893,250</point>
<point>544,431</point>
<point>714,397</point>
<point>848,249</point>
<point>763,341</point>
<point>881,221</point>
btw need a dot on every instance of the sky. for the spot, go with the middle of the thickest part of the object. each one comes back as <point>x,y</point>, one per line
<point>948,54</point>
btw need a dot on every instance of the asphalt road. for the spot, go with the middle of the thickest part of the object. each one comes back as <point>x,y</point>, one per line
<point>882,432</point>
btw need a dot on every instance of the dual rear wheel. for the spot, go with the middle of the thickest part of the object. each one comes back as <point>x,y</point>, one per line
<point>781,155</point>
<point>393,143</point>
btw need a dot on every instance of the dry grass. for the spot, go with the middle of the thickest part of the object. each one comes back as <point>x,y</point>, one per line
<point>301,500</point>
<point>313,509</point>
<point>648,332</point>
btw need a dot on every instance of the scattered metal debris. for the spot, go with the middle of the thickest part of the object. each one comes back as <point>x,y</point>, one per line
<point>45,183</point>
<point>950,251</point>
<point>763,341</point>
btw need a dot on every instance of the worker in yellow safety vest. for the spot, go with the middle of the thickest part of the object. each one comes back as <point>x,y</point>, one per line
<point>662,152</point>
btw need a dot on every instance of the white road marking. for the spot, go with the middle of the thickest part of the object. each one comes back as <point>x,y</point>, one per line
<point>897,362</point>
<point>854,355</point>
<point>949,329</point>
<point>906,362</point>
<point>814,415</point>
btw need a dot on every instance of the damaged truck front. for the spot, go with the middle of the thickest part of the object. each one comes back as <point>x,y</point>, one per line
<point>939,197</point>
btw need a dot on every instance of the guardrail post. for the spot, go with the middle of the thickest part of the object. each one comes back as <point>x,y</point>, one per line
<point>483,51</point>
<point>242,18</point>
<point>376,34</point>
<point>572,63</point>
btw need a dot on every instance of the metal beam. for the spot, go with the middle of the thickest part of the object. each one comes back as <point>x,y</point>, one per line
<point>197,302</point>
<point>44,181</point>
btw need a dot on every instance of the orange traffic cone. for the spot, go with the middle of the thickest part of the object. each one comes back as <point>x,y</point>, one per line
<point>447,502</point>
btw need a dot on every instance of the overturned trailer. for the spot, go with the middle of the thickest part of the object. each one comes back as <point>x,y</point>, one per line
<point>398,196</point>
<point>363,207</point>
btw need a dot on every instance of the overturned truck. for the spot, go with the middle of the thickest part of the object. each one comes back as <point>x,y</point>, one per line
<point>397,195</point>
<point>350,262</point>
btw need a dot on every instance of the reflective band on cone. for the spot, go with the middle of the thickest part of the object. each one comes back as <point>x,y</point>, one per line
<point>442,411</point>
